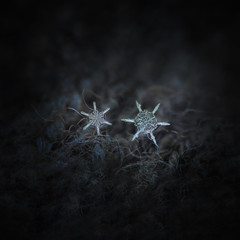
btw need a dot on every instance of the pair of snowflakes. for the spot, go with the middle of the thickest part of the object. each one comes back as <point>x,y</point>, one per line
<point>145,121</point>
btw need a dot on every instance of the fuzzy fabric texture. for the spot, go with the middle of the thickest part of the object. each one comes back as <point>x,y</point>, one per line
<point>61,182</point>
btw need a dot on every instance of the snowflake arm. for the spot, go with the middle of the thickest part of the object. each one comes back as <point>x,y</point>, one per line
<point>136,135</point>
<point>85,114</point>
<point>156,108</point>
<point>105,111</point>
<point>106,122</point>
<point>154,139</point>
<point>163,124</point>
<point>85,127</point>
<point>128,120</point>
<point>139,106</point>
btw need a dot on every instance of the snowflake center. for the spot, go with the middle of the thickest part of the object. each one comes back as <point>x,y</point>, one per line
<point>145,121</point>
<point>96,118</point>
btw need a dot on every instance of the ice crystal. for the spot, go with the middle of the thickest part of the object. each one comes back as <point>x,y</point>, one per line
<point>146,122</point>
<point>96,118</point>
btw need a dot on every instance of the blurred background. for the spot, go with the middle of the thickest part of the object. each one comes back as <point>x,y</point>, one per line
<point>178,44</point>
<point>58,182</point>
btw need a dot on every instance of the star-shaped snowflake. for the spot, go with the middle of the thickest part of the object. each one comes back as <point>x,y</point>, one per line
<point>146,122</point>
<point>96,118</point>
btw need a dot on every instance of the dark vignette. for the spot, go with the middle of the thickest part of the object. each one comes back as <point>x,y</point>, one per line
<point>58,182</point>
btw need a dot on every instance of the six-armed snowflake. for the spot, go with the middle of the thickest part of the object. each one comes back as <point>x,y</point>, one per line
<point>96,118</point>
<point>146,122</point>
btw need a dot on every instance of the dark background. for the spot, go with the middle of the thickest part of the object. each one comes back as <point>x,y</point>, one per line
<point>184,54</point>
<point>42,33</point>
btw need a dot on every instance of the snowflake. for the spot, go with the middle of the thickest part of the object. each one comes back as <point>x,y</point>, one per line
<point>146,122</point>
<point>96,118</point>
